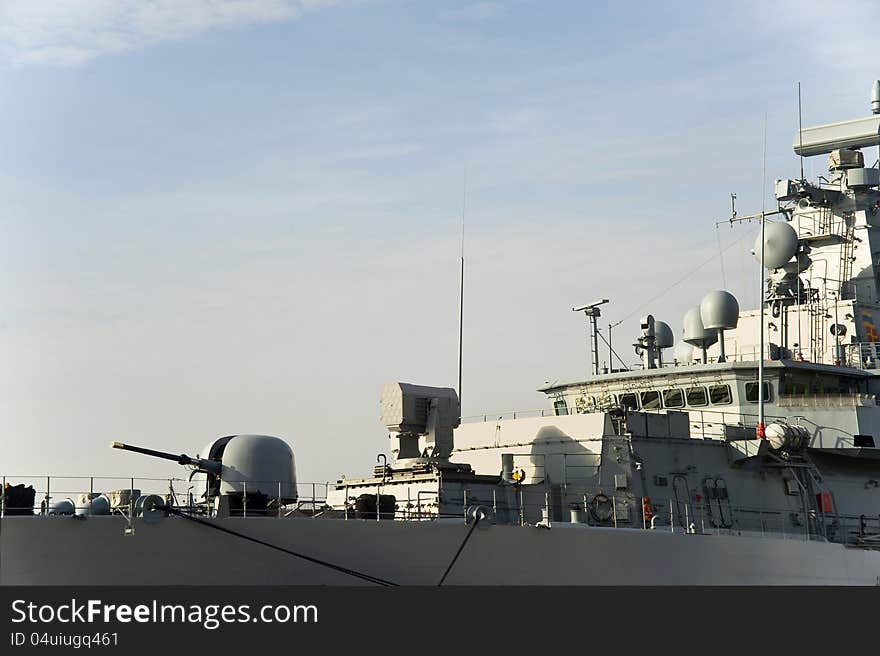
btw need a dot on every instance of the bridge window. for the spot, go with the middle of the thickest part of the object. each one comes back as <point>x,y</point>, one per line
<point>673,398</point>
<point>560,407</point>
<point>696,396</point>
<point>752,392</point>
<point>720,395</point>
<point>650,400</point>
<point>629,401</point>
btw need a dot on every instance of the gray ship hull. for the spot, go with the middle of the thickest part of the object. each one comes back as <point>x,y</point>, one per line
<point>68,551</point>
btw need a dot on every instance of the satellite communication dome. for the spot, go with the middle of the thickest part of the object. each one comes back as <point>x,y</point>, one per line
<point>719,310</point>
<point>683,352</point>
<point>780,244</point>
<point>663,335</point>
<point>694,332</point>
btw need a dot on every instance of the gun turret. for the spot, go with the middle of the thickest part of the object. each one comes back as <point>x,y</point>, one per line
<point>207,466</point>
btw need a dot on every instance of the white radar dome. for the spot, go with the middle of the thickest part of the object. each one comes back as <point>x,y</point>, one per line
<point>694,332</point>
<point>663,335</point>
<point>780,244</point>
<point>683,353</point>
<point>719,309</point>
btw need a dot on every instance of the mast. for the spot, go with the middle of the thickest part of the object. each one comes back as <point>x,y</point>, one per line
<point>800,345</point>
<point>461,286</point>
<point>760,427</point>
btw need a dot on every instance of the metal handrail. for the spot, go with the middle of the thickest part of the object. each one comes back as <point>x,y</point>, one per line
<point>59,488</point>
<point>689,517</point>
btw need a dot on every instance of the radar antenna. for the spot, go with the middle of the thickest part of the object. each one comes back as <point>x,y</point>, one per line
<point>591,310</point>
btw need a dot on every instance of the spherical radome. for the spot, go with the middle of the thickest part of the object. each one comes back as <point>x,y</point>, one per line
<point>780,244</point>
<point>694,332</point>
<point>663,335</point>
<point>719,309</point>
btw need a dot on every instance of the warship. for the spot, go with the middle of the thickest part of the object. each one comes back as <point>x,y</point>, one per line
<point>746,455</point>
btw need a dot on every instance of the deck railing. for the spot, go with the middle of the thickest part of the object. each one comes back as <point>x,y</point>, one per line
<point>60,494</point>
<point>862,355</point>
<point>575,506</point>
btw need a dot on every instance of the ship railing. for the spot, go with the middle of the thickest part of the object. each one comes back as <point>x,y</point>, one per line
<point>715,424</point>
<point>513,414</point>
<point>575,504</point>
<point>707,424</point>
<point>76,494</point>
<point>736,354</point>
<point>715,517</point>
<point>830,400</point>
<point>862,355</point>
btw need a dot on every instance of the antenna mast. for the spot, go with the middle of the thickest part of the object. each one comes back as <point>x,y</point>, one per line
<point>461,286</point>
<point>800,135</point>
<point>803,181</point>
<point>760,427</point>
<point>591,310</point>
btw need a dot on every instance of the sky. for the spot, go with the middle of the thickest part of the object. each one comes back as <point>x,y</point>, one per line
<point>246,216</point>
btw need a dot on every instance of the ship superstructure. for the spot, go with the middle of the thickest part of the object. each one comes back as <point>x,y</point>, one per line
<point>749,455</point>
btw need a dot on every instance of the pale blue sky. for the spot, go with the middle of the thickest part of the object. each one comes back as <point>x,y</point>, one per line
<point>244,217</point>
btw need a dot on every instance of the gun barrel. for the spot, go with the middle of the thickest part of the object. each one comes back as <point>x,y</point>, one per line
<point>211,466</point>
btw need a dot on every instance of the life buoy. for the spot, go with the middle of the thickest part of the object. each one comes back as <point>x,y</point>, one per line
<point>601,508</point>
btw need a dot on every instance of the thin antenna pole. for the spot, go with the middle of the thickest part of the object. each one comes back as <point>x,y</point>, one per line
<point>800,136</point>
<point>610,351</point>
<point>801,139</point>
<point>461,286</point>
<point>760,427</point>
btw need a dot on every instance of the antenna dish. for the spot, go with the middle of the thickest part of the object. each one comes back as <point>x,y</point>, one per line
<point>663,336</point>
<point>694,332</point>
<point>719,310</point>
<point>780,244</point>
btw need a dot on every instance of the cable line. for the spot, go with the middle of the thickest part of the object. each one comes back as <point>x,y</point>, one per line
<point>477,517</point>
<point>323,563</point>
<point>683,278</point>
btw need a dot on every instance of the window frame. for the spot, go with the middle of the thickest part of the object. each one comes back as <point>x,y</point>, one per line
<point>666,403</point>
<point>635,396</point>
<point>687,395</point>
<point>653,407</point>
<point>729,400</point>
<point>768,389</point>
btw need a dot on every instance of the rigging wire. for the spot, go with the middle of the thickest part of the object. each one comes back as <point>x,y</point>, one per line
<point>324,563</point>
<point>477,518</point>
<point>683,278</point>
<point>720,255</point>
<point>611,348</point>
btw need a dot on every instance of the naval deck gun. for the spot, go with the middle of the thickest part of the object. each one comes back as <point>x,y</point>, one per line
<point>239,470</point>
<point>200,464</point>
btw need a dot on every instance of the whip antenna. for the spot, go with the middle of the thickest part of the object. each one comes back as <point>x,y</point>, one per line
<point>461,285</point>
<point>760,427</point>
<point>800,138</point>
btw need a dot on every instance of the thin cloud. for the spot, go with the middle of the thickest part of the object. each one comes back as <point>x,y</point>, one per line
<point>72,32</point>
